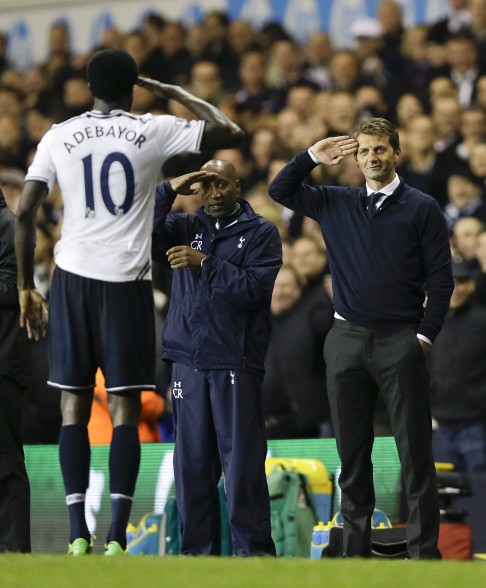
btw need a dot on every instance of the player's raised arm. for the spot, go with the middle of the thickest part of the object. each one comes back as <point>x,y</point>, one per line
<point>219,132</point>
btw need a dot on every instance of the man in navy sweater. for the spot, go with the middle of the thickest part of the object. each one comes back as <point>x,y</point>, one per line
<point>225,259</point>
<point>388,252</point>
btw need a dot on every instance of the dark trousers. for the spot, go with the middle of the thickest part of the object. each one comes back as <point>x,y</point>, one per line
<point>360,364</point>
<point>219,427</point>
<point>14,483</point>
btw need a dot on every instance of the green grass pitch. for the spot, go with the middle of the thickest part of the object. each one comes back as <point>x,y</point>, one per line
<point>56,571</point>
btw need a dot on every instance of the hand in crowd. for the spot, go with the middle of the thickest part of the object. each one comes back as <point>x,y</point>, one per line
<point>332,150</point>
<point>33,313</point>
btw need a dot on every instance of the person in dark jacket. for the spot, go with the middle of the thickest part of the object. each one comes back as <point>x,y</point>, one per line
<point>295,372</point>
<point>225,259</point>
<point>458,378</point>
<point>14,483</point>
<point>386,242</point>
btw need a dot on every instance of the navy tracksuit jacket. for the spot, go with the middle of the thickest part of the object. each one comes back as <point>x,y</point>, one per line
<point>216,336</point>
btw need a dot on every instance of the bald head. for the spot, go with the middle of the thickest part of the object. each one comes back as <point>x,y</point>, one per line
<point>219,194</point>
<point>221,167</point>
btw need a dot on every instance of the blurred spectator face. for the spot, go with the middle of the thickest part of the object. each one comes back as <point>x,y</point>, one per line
<point>241,36</point>
<point>215,27</point>
<point>77,93</point>
<point>252,69</point>
<point>341,113</point>
<point>205,80</point>
<point>466,233</point>
<point>477,160</point>
<point>407,107</point>
<point>421,137</point>
<point>343,70</point>
<point>9,132</point>
<point>263,146</point>
<point>446,114</point>
<point>369,98</point>
<point>473,124</point>
<point>287,122</point>
<point>11,78</point>
<point>172,38</point>
<point>442,87</point>
<point>414,43</point>
<point>435,54</point>
<point>35,80</point>
<point>318,49</point>
<point>285,56</point>
<point>135,45</point>
<point>195,39</point>
<point>151,29</point>
<point>390,16</point>
<point>111,38</point>
<point>58,38</point>
<point>461,54</point>
<point>300,99</point>
<point>321,103</point>
<point>309,257</point>
<point>295,134</point>
<point>10,102</point>
<point>286,291</point>
<point>461,191</point>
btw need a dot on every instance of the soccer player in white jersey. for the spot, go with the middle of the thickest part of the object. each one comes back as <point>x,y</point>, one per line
<point>107,163</point>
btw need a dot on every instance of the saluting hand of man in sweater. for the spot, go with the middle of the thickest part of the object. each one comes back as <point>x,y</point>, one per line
<point>332,150</point>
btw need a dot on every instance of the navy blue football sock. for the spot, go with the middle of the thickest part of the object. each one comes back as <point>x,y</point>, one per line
<point>74,457</point>
<point>124,466</point>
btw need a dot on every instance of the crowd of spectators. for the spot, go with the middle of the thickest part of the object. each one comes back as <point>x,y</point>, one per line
<point>428,79</point>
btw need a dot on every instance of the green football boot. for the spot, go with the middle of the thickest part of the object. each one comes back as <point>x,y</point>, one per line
<point>80,546</point>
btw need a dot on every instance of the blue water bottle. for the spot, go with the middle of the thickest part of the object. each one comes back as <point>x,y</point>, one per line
<point>320,540</point>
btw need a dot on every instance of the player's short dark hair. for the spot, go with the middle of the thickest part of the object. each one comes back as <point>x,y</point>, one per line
<point>112,74</point>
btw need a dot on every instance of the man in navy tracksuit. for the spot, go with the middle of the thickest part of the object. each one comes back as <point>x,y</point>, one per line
<point>226,258</point>
<point>388,248</point>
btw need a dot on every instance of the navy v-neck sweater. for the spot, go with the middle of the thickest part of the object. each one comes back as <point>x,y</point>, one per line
<point>382,267</point>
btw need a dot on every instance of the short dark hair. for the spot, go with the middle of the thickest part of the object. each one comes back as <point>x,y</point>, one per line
<point>378,126</point>
<point>112,74</point>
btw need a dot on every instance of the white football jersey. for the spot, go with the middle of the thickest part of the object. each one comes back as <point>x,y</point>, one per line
<point>107,167</point>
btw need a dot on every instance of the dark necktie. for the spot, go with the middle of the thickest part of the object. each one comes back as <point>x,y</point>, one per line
<point>374,198</point>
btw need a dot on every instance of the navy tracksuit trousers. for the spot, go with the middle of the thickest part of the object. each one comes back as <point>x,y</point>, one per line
<point>219,427</point>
